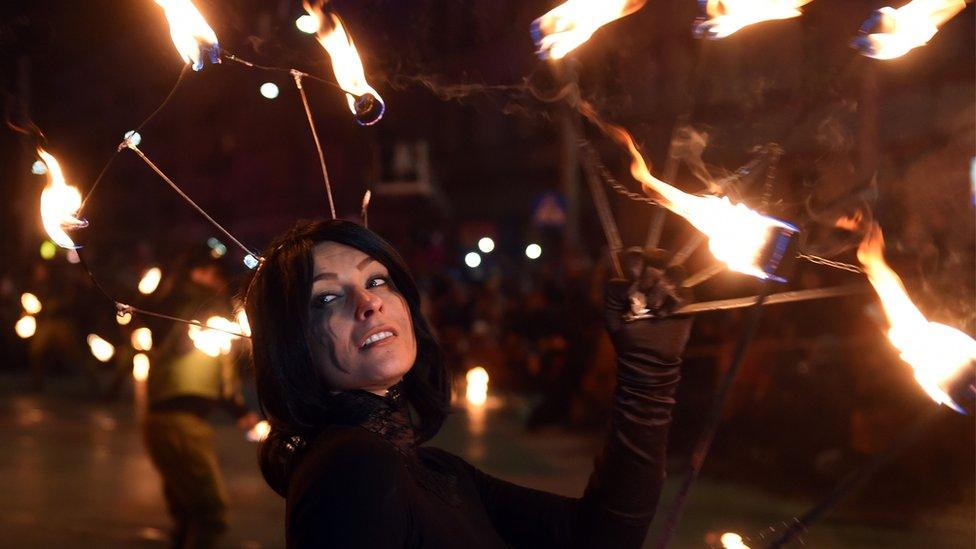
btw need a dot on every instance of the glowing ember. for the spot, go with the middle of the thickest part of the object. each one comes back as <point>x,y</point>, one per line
<point>100,349</point>
<point>192,36</point>
<point>731,540</point>
<point>59,204</point>
<point>937,353</point>
<point>150,280</point>
<point>214,342</point>
<point>891,33</point>
<point>26,327</point>
<point>142,339</point>
<point>570,24</point>
<point>364,102</point>
<point>477,386</point>
<point>30,303</point>
<point>743,239</point>
<point>140,367</point>
<point>259,432</point>
<point>726,17</point>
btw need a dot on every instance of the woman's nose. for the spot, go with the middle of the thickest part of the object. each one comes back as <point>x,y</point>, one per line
<point>367,304</point>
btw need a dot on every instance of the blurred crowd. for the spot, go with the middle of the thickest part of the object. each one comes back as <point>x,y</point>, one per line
<point>818,393</point>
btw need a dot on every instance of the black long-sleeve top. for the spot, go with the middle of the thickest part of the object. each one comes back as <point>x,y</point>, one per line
<point>367,485</point>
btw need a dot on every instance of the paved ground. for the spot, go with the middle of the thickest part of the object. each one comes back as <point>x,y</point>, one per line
<point>73,474</point>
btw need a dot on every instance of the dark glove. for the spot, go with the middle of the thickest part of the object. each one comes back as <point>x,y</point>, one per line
<point>626,483</point>
<point>657,337</point>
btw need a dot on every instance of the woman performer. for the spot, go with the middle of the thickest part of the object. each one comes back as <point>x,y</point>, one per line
<point>353,383</point>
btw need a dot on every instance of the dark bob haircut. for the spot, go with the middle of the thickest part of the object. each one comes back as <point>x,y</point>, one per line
<point>293,393</point>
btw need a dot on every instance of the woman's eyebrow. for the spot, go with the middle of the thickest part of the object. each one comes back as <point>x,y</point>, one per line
<point>366,261</point>
<point>324,276</point>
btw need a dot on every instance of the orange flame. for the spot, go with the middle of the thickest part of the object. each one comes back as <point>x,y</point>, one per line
<point>890,33</point>
<point>937,353</point>
<point>726,17</point>
<point>346,64</point>
<point>192,36</point>
<point>737,235</point>
<point>59,204</point>
<point>570,24</point>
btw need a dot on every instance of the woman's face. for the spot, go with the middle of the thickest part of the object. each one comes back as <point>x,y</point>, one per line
<point>362,333</point>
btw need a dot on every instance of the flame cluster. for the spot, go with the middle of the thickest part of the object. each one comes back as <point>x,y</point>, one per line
<point>217,338</point>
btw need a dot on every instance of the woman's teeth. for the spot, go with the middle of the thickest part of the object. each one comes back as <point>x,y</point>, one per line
<point>376,337</point>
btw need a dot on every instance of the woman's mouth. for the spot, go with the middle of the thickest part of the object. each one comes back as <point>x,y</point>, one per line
<point>377,339</point>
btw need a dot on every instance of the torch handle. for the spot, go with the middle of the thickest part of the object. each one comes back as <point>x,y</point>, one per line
<point>856,478</point>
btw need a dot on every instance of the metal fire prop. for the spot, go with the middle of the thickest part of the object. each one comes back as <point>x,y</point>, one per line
<point>740,238</point>
<point>197,45</point>
<point>759,247</point>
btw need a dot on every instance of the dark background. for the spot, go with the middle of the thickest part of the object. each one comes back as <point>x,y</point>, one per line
<point>821,388</point>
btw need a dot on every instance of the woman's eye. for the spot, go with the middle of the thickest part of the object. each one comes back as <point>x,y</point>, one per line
<point>325,299</point>
<point>377,281</point>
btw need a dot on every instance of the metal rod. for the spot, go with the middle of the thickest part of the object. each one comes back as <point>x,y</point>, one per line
<point>129,308</point>
<point>604,213</point>
<point>703,275</point>
<point>773,299</point>
<point>603,210</point>
<point>297,75</point>
<point>656,227</point>
<point>689,248</point>
<point>714,418</point>
<point>856,478</point>
<point>122,307</point>
<point>129,144</point>
<point>104,170</point>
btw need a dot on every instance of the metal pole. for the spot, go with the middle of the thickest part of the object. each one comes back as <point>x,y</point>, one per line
<point>573,128</point>
<point>714,418</point>
<point>315,137</point>
<point>773,299</point>
<point>855,479</point>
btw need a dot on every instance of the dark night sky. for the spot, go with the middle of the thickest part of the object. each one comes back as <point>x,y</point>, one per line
<point>87,71</point>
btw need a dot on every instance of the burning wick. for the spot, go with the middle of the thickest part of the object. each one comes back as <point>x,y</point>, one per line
<point>100,349</point>
<point>195,41</point>
<point>364,102</point>
<point>140,367</point>
<point>476,392</point>
<point>726,17</point>
<point>60,203</point>
<point>890,33</point>
<point>939,354</point>
<point>570,24</point>
<point>30,303</point>
<point>150,280</point>
<point>364,211</point>
<point>259,432</point>
<point>731,540</point>
<point>26,327</point>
